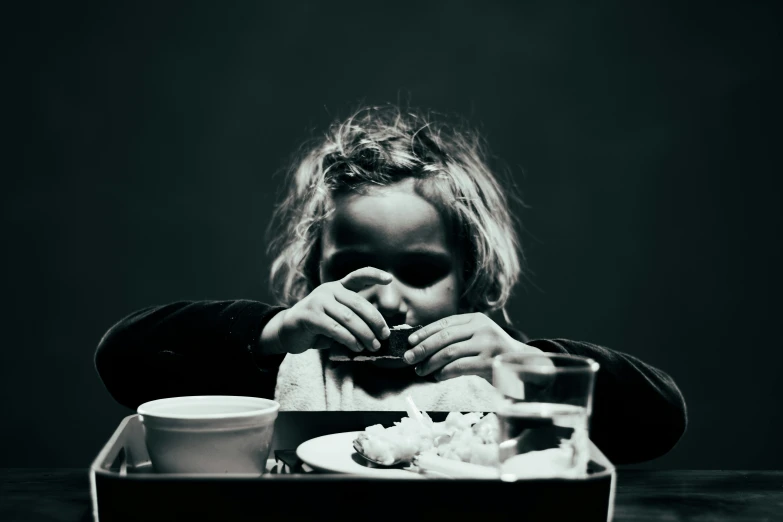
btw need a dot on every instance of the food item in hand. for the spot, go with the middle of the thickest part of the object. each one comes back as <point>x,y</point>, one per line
<point>392,348</point>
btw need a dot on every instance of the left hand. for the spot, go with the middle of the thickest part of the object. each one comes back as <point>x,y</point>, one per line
<point>461,345</point>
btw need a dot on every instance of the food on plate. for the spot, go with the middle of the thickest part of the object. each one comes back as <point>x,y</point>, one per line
<point>392,348</point>
<point>470,437</point>
<point>467,445</point>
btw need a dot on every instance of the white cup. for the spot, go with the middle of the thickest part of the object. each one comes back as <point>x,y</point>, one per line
<point>209,434</point>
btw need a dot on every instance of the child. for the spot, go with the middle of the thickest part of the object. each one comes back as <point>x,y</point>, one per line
<point>390,219</point>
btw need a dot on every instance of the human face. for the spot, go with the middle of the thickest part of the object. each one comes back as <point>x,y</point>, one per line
<point>396,230</point>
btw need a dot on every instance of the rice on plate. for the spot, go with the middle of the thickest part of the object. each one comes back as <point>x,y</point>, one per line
<point>471,437</point>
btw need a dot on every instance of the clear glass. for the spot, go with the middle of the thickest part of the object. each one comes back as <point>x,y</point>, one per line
<point>544,411</point>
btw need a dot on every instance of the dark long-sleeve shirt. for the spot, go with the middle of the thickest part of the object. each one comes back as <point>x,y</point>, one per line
<point>211,348</point>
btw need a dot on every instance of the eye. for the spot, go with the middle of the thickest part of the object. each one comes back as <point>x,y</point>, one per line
<point>343,264</point>
<point>424,273</point>
<point>337,271</point>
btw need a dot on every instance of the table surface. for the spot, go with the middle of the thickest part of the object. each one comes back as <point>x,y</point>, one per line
<point>642,495</point>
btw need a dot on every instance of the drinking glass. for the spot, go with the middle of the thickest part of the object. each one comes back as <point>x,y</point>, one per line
<point>544,412</point>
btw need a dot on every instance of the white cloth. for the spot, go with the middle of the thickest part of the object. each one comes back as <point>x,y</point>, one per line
<point>310,382</point>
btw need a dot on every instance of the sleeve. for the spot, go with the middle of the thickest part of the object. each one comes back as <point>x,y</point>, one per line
<point>639,413</point>
<point>188,348</point>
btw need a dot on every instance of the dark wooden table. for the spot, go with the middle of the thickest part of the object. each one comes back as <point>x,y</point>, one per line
<point>715,496</point>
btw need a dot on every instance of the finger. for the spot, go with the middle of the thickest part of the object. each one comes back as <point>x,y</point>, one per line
<point>437,341</point>
<point>364,277</point>
<point>447,355</point>
<point>437,326</point>
<point>481,366</point>
<point>323,324</point>
<point>365,310</point>
<point>352,322</point>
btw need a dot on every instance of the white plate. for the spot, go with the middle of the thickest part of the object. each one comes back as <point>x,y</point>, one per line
<point>335,453</point>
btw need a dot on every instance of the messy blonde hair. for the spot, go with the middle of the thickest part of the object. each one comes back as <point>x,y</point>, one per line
<point>381,146</point>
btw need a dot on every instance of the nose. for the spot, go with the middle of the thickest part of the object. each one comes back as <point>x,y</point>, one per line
<point>388,299</point>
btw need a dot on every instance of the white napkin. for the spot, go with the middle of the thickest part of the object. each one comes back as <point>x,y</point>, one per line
<point>310,382</point>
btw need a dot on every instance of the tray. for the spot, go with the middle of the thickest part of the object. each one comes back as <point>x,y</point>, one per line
<point>124,486</point>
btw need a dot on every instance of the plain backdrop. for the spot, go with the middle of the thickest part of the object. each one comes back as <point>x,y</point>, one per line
<point>143,141</point>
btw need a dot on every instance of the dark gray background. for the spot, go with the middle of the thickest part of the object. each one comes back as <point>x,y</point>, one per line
<point>645,138</point>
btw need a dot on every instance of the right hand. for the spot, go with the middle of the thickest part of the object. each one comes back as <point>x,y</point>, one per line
<point>335,312</point>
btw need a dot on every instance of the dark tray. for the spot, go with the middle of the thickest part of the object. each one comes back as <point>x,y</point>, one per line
<point>125,488</point>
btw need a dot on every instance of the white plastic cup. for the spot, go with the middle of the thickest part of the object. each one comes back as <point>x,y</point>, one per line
<point>209,434</point>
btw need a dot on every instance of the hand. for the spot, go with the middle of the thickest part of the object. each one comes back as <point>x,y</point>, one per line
<point>334,312</point>
<point>461,345</point>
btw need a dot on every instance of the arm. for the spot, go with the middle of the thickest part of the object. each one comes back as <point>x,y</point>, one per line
<point>639,413</point>
<point>189,348</point>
